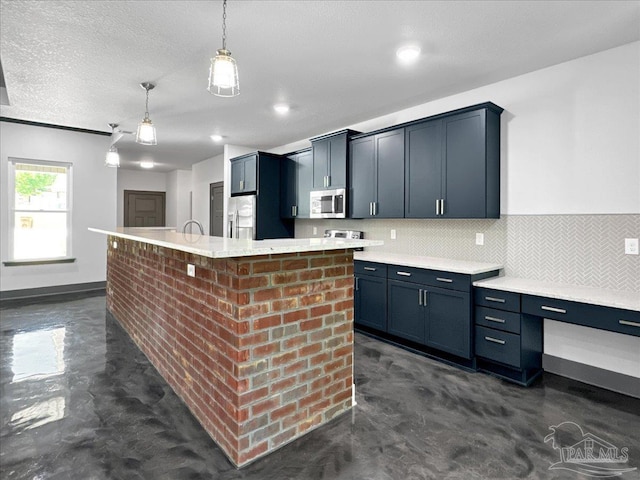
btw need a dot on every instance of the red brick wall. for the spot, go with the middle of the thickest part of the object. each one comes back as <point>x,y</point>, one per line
<point>259,348</point>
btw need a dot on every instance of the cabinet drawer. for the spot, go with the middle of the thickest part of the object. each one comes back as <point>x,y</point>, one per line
<point>435,278</point>
<point>594,316</point>
<point>498,319</point>
<point>370,268</point>
<point>498,346</point>
<point>497,299</point>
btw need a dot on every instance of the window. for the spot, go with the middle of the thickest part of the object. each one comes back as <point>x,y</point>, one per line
<point>40,219</point>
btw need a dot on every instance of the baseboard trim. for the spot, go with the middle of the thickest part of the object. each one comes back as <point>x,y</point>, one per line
<point>617,382</point>
<point>53,290</point>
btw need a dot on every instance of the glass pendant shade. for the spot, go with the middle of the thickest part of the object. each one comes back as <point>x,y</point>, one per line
<point>223,75</point>
<point>113,158</point>
<point>146,134</point>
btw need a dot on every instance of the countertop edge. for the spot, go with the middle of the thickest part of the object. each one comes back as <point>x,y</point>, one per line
<point>429,263</point>
<point>625,300</point>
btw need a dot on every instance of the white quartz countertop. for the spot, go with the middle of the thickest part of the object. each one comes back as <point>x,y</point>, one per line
<point>219,247</point>
<point>592,295</point>
<point>431,263</point>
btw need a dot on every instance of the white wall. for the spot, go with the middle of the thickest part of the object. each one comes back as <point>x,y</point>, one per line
<point>204,173</point>
<point>570,134</point>
<point>570,145</point>
<point>94,202</point>
<point>142,180</point>
<point>178,197</point>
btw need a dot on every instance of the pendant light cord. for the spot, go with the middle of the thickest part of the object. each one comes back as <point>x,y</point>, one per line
<point>224,24</point>
<point>146,106</point>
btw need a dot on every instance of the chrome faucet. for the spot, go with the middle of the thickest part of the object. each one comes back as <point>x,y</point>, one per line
<point>189,222</point>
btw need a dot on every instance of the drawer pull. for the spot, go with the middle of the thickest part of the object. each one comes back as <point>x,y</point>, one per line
<point>495,340</point>
<point>628,323</point>
<point>420,297</point>
<point>494,299</point>
<point>370,269</point>
<point>494,319</point>
<point>553,309</point>
<point>446,280</point>
<point>404,274</point>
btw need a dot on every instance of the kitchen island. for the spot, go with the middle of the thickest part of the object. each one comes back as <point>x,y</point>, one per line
<point>256,337</point>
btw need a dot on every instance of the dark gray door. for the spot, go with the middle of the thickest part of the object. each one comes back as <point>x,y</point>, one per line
<point>423,169</point>
<point>144,209</point>
<point>390,174</point>
<point>363,177</point>
<point>216,209</point>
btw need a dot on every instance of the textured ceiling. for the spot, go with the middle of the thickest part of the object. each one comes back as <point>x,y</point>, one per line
<point>79,63</point>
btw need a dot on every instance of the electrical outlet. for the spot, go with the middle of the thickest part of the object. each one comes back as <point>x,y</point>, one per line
<point>115,244</point>
<point>479,238</point>
<point>315,230</point>
<point>191,270</point>
<point>393,234</point>
<point>631,246</point>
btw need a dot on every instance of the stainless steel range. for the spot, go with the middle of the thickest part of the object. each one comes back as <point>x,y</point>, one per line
<point>350,234</point>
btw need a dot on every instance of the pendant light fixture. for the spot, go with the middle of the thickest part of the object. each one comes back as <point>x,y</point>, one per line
<point>113,158</point>
<point>146,134</point>
<point>223,74</point>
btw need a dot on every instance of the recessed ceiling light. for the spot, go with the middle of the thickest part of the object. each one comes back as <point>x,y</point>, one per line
<point>146,164</point>
<point>281,108</point>
<point>408,53</point>
<point>216,138</point>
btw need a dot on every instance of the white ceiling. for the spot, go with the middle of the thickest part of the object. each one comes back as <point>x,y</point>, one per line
<point>80,63</point>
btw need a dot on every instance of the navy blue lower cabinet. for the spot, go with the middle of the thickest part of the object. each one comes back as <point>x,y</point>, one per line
<point>448,326</point>
<point>406,313</point>
<point>508,343</point>
<point>370,301</point>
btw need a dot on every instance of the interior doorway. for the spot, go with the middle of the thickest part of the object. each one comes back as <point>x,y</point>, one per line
<point>144,209</point>
<point>216,209</point>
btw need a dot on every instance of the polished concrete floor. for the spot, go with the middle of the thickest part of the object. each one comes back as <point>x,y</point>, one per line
<point>79,401</point>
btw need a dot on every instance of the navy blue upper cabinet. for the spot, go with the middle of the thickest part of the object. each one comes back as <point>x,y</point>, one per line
<point>297,182</point>
<point>453,165</point>
<point>244,172</point>
<point>377,175</point>
<point>330,160</point>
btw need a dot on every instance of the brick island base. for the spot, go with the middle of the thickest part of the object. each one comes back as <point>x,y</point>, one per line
<point>260,349</point>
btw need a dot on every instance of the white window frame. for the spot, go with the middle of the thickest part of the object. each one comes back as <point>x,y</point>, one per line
<point>12,209</point>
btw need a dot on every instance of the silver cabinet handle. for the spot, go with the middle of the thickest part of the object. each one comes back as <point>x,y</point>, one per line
<point>495,340</point>
<point>371,209</point>
<point>357,284</point>
<point>403,274</point>
<point>494,299</point>
<point>241,184</point>
<point>437,207</point>
<point>375,208</point>
<point>494,319</point>
<point>442,206</point>
<point>629,323</point>
<point>420,297</point>
<point>425,292</point>
<point>370,269</point>
<point>553,309</point>
<point>446,280</point>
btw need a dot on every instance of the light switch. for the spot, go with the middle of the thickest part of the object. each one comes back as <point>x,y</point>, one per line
<point>191,270</point>
<point>393,234</point>
<point>115,244</point>
<point>315,230</point>
<point>631,246</point>
<point>479,238</point>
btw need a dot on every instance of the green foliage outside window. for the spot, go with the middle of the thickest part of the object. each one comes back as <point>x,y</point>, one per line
<point>32,184</point>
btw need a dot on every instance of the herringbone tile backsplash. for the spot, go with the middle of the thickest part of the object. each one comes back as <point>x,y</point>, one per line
<point>575,249</point>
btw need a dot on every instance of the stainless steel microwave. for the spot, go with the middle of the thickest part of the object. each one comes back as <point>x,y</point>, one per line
<point>328,203</point>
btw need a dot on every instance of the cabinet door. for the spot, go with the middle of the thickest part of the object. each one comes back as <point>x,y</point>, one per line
<point>370,302</point>
<point>338,161</point>
<point>237,176</point>
<point>423,169</point>
<point>304,164</point>
<point>449,321</point>
<point>288,187</point>
<point>363,177</point>
<point>389,197</point>
<point>251,173</point>
<point>406,317</point>
<point>320,152</point>
<point>464,176</point>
